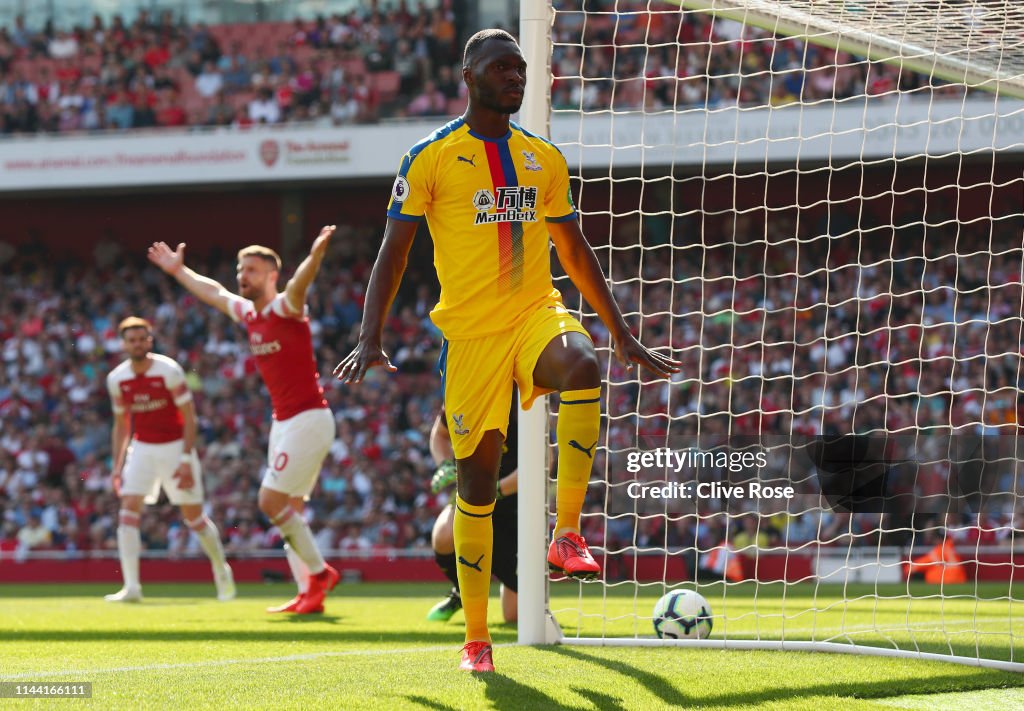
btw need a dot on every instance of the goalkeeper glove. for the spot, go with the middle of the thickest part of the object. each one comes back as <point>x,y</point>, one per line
<point>443,477</point>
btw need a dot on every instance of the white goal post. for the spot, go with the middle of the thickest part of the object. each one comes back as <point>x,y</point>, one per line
<point>817,206</point>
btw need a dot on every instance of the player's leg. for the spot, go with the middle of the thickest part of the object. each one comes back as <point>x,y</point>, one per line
<point>509,604</point>
<point>474,543</point>
<point>144,467</point>
<point>442,538</point>
<point>569,365</point>
<point>209,540</point>
<point>129,548</point>
<point>561,358</point>
<point>295,460</point>
<point>299,570</point>
<point>477,384</point>
<point>190,502</point>
<point>506,546</point>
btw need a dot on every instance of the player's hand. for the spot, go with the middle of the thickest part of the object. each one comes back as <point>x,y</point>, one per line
<point>184,476</point>
<point>363,357</point>
<point>628,351</point>
<point>322,241</point>
<point>162,256</point>
<point>444,476</point>
<point>116,481</point>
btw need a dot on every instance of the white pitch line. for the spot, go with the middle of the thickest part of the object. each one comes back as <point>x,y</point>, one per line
<point>78,673</point>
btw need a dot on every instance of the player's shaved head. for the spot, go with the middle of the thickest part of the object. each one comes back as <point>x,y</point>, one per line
<point>476,43</point>
<point>264,253</point>
<point>133,322</point>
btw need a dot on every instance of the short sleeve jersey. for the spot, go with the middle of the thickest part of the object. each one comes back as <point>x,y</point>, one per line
<point>486,202</point>
<point>151,399</point>
<point>282,344</point>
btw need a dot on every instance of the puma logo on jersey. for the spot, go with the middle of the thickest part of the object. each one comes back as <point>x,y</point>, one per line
<point>589,451</point>
<point>475,566</point>
<point>463,159</point>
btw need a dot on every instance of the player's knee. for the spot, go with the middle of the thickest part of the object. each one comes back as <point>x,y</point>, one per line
<point>478,473</point>
<point>582,370</point>
<point>442,538</point>
<point>131,503</point>
<point>271,502</point>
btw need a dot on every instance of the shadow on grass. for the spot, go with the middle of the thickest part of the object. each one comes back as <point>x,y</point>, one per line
<point>508,694</point>
<point>659,685</point>
<point>602,702</point>
<point>662,685</point>
<point>430,703</point>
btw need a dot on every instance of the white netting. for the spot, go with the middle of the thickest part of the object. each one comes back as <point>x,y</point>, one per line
<point>832,246</point>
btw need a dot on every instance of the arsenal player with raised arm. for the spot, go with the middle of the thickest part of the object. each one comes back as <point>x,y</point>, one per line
<point>153,446</point>
<point>303,428</point>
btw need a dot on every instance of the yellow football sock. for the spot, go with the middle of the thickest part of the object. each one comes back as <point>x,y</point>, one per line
<point>474,544</point>
<point>579,421</point>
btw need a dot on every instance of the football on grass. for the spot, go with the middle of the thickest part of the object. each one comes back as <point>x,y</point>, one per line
<point>682,614</point>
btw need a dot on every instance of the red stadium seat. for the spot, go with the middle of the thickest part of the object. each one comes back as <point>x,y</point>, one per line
<point>385,84</point>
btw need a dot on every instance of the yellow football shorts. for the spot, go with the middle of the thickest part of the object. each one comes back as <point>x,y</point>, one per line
<point>477,374</point>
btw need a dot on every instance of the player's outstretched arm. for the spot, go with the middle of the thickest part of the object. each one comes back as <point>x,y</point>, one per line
<point>581,265</point>
<point>203,288</point>
<point>298,285</point>
<point>380,293</point>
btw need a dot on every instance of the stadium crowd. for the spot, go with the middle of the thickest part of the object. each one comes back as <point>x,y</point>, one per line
<point>866,339</point>
<point>373,64</point>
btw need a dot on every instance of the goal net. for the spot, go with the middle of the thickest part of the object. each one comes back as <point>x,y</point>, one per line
<point>816,207</point>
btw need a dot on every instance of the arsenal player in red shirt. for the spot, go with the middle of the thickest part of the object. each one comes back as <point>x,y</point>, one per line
<point>303,428</point>
<point>153,445</point>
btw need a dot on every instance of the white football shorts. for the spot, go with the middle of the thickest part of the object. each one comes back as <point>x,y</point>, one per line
<point>147,467</point>
<point>297,450</point>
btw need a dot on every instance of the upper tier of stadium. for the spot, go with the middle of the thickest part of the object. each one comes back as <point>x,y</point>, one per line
<point>361,65</point>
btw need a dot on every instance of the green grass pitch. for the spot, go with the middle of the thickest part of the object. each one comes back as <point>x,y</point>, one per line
<point>182,649</point>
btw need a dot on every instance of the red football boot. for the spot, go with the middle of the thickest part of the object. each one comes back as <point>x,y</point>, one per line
<point>319,585</point>
<point>289,606</point>
<point>570,556</point>
<point>476,657</point>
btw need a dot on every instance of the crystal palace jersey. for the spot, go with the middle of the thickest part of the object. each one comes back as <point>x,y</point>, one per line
<point>486,201</point>
<point>281,343</point>
<point>151,399</point>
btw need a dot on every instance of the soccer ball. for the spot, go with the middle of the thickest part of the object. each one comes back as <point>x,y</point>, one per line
<point>682,614</point>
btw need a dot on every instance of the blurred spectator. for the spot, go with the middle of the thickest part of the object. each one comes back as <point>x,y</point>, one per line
<point>264,108</point>
<point>210,81</point>
<point>33,534</point>
<point>429,102</point>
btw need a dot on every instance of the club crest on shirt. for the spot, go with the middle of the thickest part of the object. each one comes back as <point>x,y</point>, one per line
<point>531,161</point>
<point>459,429</point>
<point>400,190</point>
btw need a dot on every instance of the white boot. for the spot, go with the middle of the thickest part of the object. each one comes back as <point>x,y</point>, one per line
<point>125,595</point>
